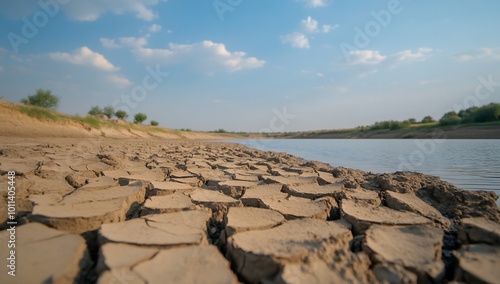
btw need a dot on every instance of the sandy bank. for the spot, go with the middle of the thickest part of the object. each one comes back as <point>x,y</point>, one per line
<point>14,123</point>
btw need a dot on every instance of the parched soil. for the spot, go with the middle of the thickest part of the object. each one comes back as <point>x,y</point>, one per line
<point>151,211</point>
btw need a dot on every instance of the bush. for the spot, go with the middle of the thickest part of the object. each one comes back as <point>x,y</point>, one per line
<point>450,118</point>
<point>154,123</point>
<point>42,98</point>
<point>140,117</point>
<point>428,119</point>
<point>487,113</point>
<point>412,121</point>
<point>95,111</point>
<point>121,114</point>
<point>390,124</point>
<point>108,111</point>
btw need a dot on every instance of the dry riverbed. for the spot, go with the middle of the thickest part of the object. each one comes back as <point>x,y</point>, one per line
<point>131,211</point>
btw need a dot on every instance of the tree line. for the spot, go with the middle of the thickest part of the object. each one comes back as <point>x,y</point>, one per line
<point>486,113</point>
<point>109,112</point>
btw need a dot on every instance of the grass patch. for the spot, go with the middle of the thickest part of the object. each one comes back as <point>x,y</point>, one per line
<point>88,120</point>
<point>39,113</point>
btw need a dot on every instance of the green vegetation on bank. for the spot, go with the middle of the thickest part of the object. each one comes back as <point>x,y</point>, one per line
<point>42,99</point>
<point>487,113</point>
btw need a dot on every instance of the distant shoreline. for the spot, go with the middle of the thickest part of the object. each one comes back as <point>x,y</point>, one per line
<point>459,132</point>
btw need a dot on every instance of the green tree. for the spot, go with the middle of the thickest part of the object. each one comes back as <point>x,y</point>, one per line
<point>450,118</point>
<point>140,117</point>
<point>428,119</point>
<point>412,121</point>
<point>95,111</point>
<point>154,123</point>
<point>121,114</point>
<point>468,115</point>
<point>487,113</point>
<point>109,111</point>
<point>42,98</point>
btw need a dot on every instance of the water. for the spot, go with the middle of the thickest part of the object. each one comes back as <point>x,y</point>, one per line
<point>469,164</point>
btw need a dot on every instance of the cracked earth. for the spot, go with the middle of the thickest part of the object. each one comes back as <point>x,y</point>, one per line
<point>126,211</point>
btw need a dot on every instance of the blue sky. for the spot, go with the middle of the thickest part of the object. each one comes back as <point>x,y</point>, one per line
<point>254,65</point>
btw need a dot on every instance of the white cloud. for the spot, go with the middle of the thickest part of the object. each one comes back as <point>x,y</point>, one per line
<point>366,57</point>
<point>316,3</point>
<point>133,42</point>
<point>205,56</point>
<point>319,74</point>
<point>310,25</point>
<point>420,55</point>
<point>90,10</point>
<point>119,81</point>
<point>480,54</point>
<point>1,69</point>
<point>296,39</point>
<point>109,43</point>
<point>85,56</point>
<point>154,28</point>
<point>373,57</point>
<point>328,28</point>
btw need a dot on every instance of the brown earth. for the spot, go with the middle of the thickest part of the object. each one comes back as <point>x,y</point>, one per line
<point>158,211</point>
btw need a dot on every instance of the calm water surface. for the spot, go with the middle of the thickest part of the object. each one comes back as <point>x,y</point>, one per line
<point>469,164</point>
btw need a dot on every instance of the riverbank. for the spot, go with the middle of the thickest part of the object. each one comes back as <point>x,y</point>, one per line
<point>152,210</point>
<point>465,131</point>
<point>20,121</point>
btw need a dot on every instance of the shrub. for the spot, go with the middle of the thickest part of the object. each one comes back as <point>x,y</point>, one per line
<point>428,119</point>
<point>121,114</point>
<point>487,113</point>
<point>108,111</point>
<point>95,111</point>
<point>450,118</point>
<point>42,98</point>
<point>154,123</point>
<point>390,124</point>
<point>140,117</point>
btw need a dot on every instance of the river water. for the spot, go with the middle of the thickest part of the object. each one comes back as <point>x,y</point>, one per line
<point>469,164</point>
